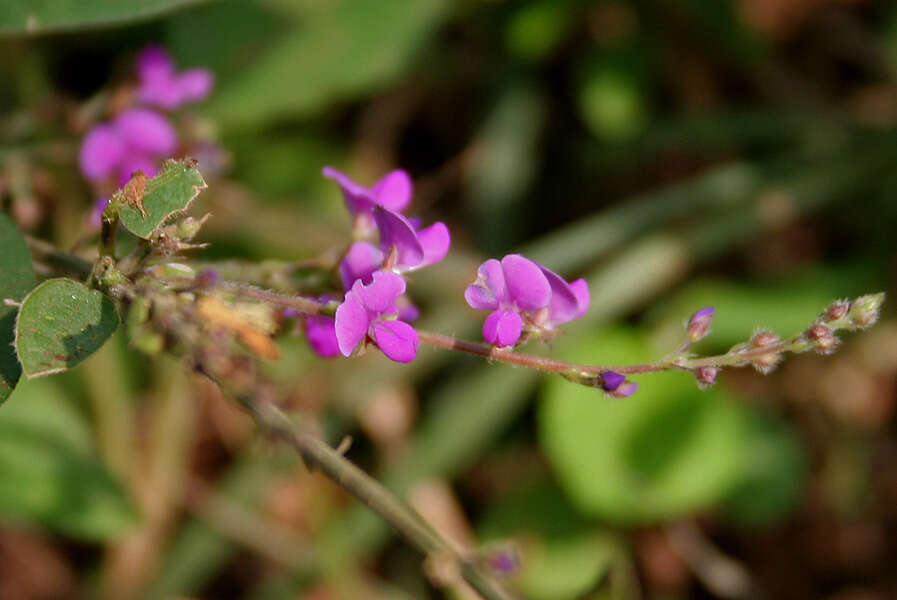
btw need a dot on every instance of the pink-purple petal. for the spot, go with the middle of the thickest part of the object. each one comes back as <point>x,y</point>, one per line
<point>358,198</point>
<point>396,231</point>
<point>379,297</point>
<point>564,304</point>
<point>502,328</point>
<point>351,324</point>
<point>393,190</point>
<point>360,262</point>
<point>144,130</point>
<point>480,297</point>
<point>526,284</point>
<point>101,151</point>
<point>581,290</point>
<point>435,241</point>
<point>320,331</point>
<point>154,64</point>
<point>195,84</point>
<point>396,339</point>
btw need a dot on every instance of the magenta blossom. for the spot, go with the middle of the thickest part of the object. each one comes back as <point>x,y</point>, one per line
<point>523,294</point>
<point>367,311</point>
<point>403,243</point>
<point>135,140</point>
<point>161,85</point>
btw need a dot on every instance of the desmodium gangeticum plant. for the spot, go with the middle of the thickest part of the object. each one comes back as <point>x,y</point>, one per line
<point>224,329</point>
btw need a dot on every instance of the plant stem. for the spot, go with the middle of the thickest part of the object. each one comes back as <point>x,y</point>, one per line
<point>403,518</point>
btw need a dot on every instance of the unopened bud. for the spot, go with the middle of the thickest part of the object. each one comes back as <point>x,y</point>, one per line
<point>763,339</point>
<point>611,380</point>
<point>706,375</point>
<point>627,388</point>
<point>865,310</point>
<point>836,310</point>
<point>818,331</point>
<point>766,362</point>
<point>699,324</point>
<point>826,344</point>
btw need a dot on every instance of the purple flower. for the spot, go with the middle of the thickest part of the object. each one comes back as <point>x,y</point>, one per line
<point>134,140</point>
<point>320,331</point>
<point>523,294</point>
<point>161,85</point>
<point>627,388</point>
<point>611,380</point>
<point>361,315</point>
<point>392,192</point>
<point>403,244</point>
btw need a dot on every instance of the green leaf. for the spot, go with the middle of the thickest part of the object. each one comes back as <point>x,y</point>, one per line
<point>61,323</point>
<point>668,450</point>
<point>563,555</point>
<point>338,49</point>
<point>48,474</point>
<point>168,193</point>
<point>775,473</point>
<point>16,280</point>
<point>44,16</point>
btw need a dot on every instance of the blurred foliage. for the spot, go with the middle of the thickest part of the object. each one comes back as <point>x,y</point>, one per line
<point>678,154</point>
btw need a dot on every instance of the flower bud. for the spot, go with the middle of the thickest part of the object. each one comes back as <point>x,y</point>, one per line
<point>627,388</point>
<point>817,331</point>
<point>611,380</point>
<point>836,310</point>
<point>765,362</point>
<point>826,344</point>
<point>865,310</point>
<point>706,375</point>
<point>699,324</point>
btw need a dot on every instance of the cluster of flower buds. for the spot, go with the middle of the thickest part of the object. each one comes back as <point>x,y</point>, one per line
<point>139,137</point>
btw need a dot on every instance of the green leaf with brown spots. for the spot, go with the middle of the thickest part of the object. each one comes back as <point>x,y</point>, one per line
<point>16,280</point>
<point>61,323</point>
<point>167,194</point>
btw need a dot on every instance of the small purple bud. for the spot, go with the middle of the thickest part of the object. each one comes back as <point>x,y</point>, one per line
<point>706,375</point>
<point>627,388</point>
<point>763,339</point>
<point>611,380</point>
<point>207,279</point>
<point>699,324</point>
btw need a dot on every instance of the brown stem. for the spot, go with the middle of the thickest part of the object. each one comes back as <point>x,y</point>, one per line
<point>403,518</point>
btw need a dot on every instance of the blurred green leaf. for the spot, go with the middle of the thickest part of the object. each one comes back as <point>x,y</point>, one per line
<point>16,279</point>
<point>612,103</point>
<point>774,475</point>
<point>563,555</point>
<point>60,324</point>
<point>537,28</point>
<point>168,193</point>
<point>47,473</point>
<point>668,450</point>
<point>338,50</point>
<point>44,16</point>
